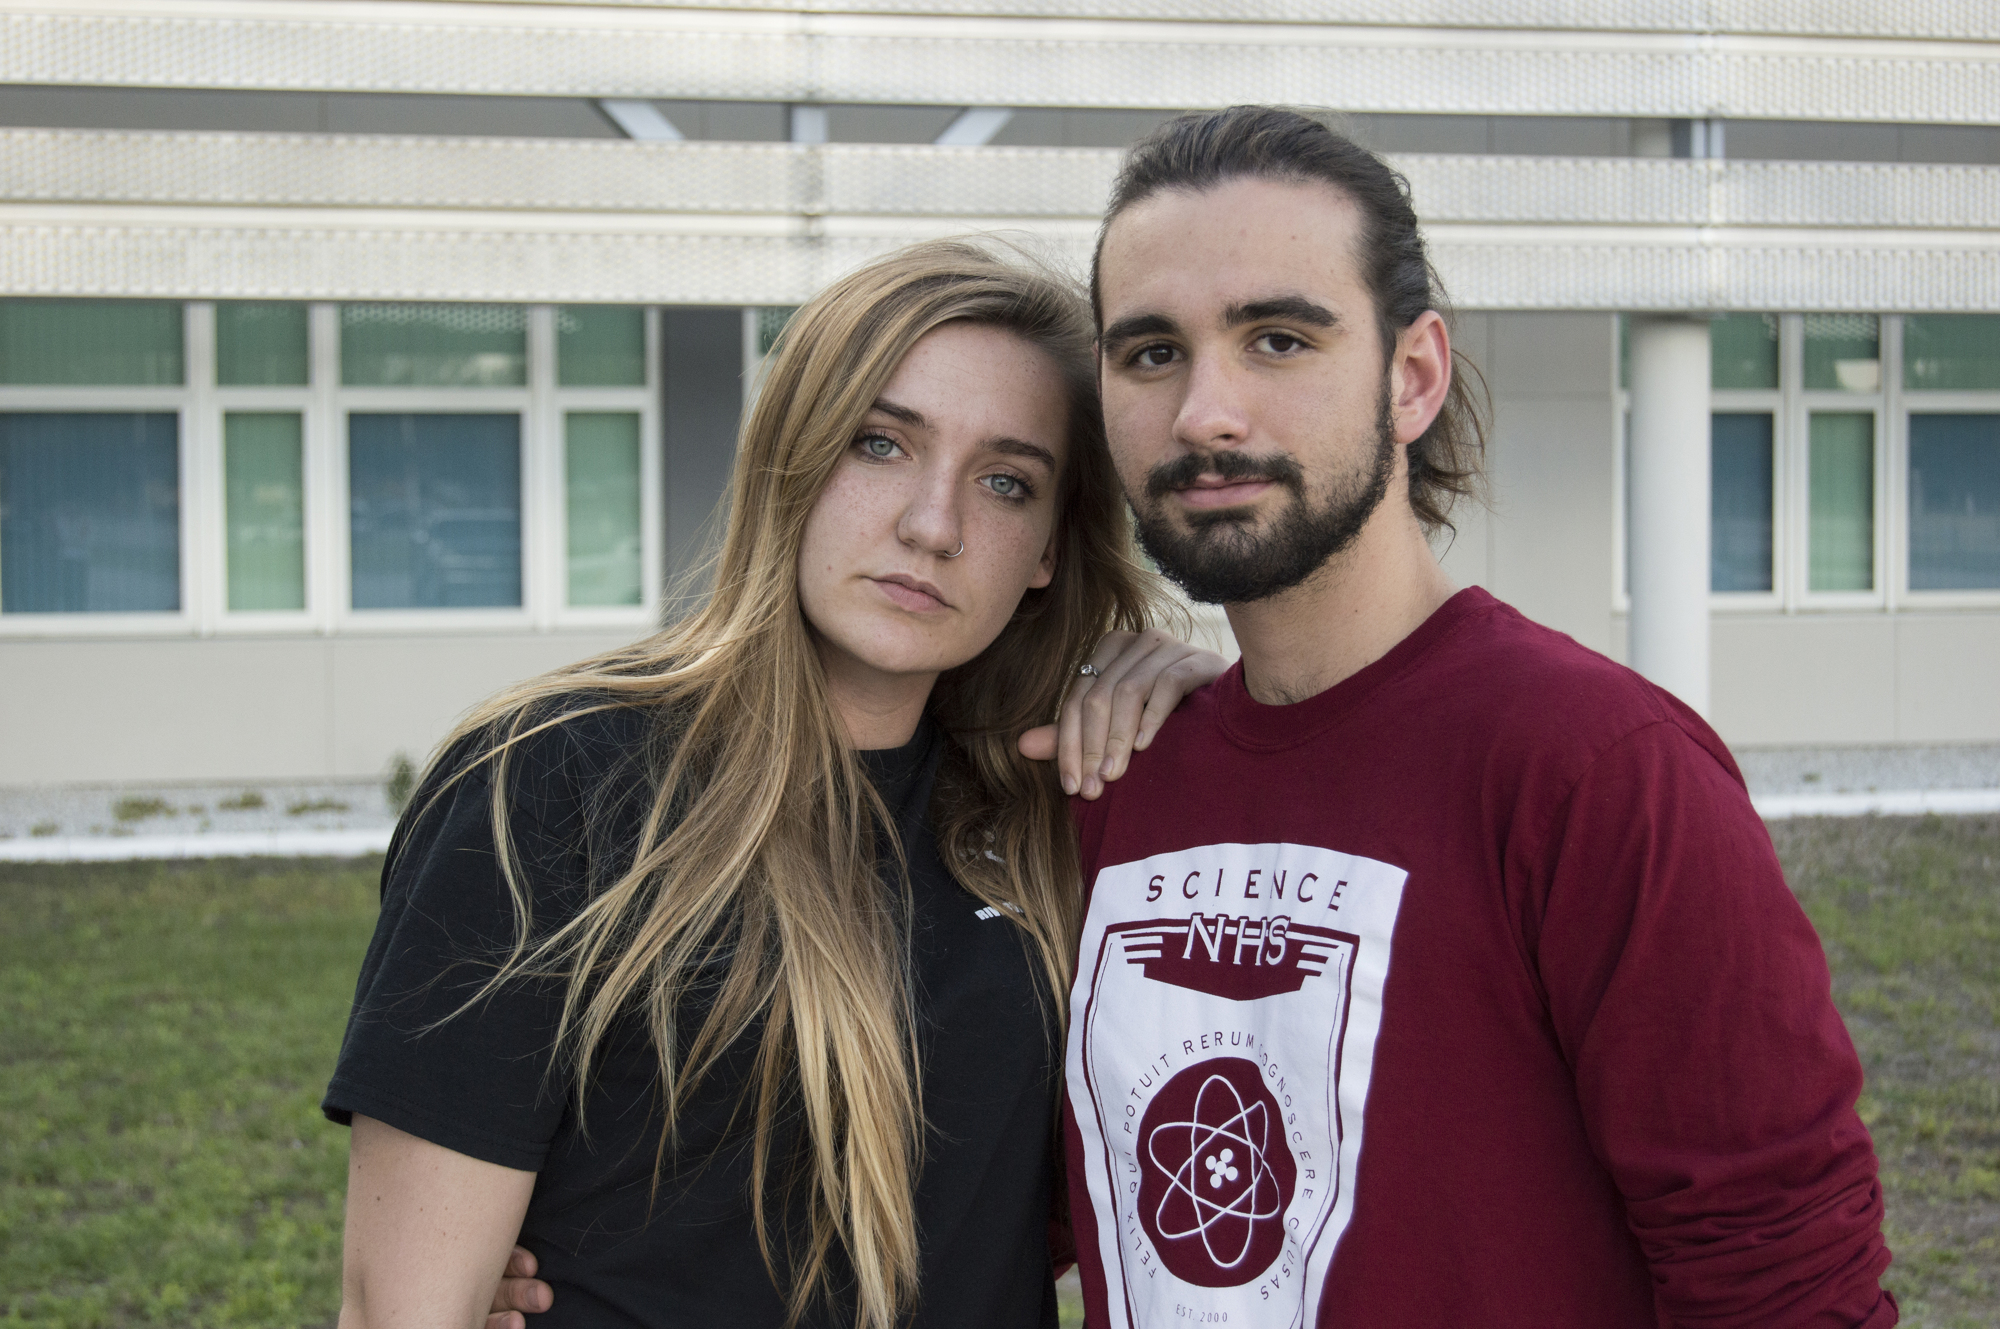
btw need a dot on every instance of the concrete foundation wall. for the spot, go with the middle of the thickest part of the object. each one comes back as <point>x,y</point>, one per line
<point>83,712</point>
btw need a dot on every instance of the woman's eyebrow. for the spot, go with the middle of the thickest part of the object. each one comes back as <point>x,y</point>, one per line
<point>1020,447</point>
<point>915,419</point>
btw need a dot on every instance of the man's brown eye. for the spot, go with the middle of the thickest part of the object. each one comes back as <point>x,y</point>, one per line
<point>1155,356</point>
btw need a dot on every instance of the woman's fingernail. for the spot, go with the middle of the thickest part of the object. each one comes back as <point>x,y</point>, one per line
<point>1069,784</point>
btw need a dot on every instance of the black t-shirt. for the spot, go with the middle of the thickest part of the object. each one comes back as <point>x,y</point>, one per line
<point>618,1251</point>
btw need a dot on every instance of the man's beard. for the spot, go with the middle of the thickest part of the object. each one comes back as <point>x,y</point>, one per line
<point>1219,561</point>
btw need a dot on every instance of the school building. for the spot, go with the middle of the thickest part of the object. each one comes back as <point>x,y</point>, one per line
<point>357,359</point>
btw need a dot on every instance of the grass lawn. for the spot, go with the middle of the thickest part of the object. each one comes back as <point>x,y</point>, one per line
<point>1909,910</point>
<point>165,1032</point>
<point>166,1029</point>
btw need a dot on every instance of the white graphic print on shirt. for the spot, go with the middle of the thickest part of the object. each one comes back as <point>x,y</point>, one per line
<point>1226,1004</point>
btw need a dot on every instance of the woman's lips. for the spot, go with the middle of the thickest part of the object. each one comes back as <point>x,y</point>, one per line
<point>911,593</point>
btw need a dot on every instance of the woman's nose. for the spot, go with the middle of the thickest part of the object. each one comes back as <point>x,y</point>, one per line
<point>932,522</point>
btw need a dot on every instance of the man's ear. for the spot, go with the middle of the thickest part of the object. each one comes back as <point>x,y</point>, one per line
<point>1420,376</point>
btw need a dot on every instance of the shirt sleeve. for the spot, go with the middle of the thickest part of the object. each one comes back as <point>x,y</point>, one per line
<point>475,1078</point>
<point>1691,996</point>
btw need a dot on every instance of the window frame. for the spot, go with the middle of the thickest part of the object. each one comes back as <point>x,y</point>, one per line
<point>324,405</point>
<point>160,399</point>
<point>1801,405</point>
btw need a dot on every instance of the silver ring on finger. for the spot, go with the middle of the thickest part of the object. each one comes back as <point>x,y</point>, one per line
<point>1089,671</point>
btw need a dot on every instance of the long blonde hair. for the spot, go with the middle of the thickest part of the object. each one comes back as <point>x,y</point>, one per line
<point>758,851</point>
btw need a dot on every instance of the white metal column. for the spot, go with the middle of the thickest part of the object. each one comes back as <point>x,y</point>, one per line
<point>1670,504</point>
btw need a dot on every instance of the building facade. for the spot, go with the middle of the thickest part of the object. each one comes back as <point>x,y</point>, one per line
<point>357,360</point>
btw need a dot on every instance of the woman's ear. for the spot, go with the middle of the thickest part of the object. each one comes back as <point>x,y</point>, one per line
<point>1045,571</point>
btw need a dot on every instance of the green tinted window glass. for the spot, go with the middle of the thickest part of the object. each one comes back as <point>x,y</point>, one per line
<point>433,346</point>
<point>1951,353</point>
<point>1843,353</point>
<point>600,346</point>
<point>601,477</point>
<point>265,500</point>
<point>1743,352</point>
<point>1841,491</point>
<point>771,322</point>
<point>107,343</point>
<point>260,344</point>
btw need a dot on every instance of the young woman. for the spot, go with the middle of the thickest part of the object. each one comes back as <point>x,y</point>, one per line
<point>727,968</point>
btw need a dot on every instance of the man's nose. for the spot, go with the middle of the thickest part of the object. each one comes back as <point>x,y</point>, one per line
<point>1213,409</point>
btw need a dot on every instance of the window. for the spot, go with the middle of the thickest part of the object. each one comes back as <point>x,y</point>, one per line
<point>1951,353</point>
<point>1854,462</point>
<point>89,513</point>
<point>1951,382</point>
<point>268,466</point>
<point>1840,489</point>
<point>1740,494</point>
<point>600,346</point>
<point>263,464</point>
<point>260,345</point>
<point>1954,502</point>
<point>435,510</point>
<point>433,346</point>
<point>134,343</point>
<point>601,486</point>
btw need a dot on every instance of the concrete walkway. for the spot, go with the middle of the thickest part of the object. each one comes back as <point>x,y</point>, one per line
<point>343,820</point>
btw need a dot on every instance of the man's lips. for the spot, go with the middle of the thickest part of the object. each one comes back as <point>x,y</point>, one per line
<point>1213,491</point>
<point>913,593</point>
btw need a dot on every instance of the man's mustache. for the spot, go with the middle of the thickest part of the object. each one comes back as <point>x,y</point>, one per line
<point>1182,472</point>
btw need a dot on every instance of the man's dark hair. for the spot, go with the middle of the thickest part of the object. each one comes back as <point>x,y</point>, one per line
<point>1201,151</point>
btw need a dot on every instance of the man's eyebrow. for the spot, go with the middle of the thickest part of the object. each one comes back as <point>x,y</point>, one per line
<point>1020,447</point>
<point>1138,325</point>
<point>1289,308</point>
<point>915,419</point>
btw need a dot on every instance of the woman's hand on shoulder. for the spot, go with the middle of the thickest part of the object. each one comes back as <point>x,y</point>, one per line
<point>1141,677</point>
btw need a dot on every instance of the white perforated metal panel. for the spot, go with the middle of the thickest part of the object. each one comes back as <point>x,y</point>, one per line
<point>1962,20</point>
<point>541,175</point>
<point>639,51</point>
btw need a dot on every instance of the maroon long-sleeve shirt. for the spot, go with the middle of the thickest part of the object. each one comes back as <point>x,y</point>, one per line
<point>1465,993</point>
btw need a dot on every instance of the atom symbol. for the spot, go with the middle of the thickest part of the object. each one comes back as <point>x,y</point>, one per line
<point>1220,1123</point>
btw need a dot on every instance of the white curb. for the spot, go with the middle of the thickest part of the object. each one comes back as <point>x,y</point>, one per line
<point>1886,803</point>
<point>225,844</point>
<point>375,840</point>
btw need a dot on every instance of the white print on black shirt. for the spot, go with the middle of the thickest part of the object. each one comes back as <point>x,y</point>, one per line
<point>1228,1001</point>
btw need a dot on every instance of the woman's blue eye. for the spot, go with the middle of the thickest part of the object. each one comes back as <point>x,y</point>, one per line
<point>879,447</point>
<point>1005,484</point>
<point>1009,486</point>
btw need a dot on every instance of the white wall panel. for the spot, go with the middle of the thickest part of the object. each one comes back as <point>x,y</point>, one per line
<point>951,60</point>
<point>1800,679</point>
<point>249,709</point>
